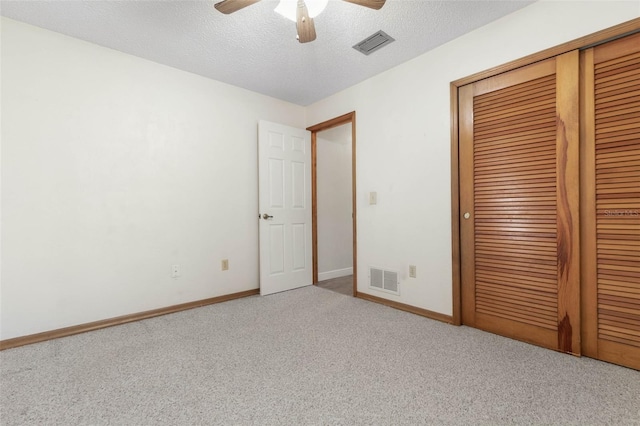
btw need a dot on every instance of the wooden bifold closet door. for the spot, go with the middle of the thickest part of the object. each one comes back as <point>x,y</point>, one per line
<point>610,191</point>
<point>519,204</point>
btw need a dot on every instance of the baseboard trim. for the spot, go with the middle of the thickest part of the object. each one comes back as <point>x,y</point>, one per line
<point>96,325</point>
<point>408,308</point>
<point>329,275</point>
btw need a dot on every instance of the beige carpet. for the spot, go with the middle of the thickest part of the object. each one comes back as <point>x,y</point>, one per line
<point>306,357</point>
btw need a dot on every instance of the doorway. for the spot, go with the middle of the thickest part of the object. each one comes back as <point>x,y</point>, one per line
<point>333,142</point>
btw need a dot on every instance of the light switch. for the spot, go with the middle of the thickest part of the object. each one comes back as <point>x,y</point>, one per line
<point>373,198</point>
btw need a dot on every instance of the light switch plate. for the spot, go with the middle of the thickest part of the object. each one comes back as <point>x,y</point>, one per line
<point>373,198</point>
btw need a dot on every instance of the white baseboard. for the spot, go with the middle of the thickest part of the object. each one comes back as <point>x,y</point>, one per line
<point>329,275</point>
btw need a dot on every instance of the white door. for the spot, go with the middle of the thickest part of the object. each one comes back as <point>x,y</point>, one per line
<point>284,163</point>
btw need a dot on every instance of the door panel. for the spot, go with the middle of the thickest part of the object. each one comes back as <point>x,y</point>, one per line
<point>518,183</point>
<point>285,197</point>
<point>611,75</point>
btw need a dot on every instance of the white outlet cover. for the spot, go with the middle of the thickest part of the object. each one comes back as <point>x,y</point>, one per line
<point>175,271</point>
<point>373,198</point>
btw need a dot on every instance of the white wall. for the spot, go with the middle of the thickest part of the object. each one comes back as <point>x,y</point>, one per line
<point>113,169</point>
<point>335,226</point>
<point>403,140</point>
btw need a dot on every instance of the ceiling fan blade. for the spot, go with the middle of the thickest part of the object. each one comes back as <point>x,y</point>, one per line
<point>373,4</point>
<point>304,24</point>
<point>230,6</point>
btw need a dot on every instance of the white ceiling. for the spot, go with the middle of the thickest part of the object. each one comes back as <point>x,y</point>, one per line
<point>255,48</point>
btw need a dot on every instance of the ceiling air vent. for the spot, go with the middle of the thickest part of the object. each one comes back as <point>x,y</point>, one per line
<point>374,42</point>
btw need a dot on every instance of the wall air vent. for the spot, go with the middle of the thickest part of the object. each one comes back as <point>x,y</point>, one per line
<point>384,280</point>
<point>373,43</point>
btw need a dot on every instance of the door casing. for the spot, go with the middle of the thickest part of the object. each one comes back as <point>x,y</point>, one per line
<point>349,118</point>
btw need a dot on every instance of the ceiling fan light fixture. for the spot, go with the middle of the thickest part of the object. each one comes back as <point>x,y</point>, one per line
<point>288,8</point>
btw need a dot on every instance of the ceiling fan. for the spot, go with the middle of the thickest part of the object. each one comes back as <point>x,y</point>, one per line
<point>303,17</point>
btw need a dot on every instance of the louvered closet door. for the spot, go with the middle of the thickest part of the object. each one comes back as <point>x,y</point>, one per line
<point>611,197</point>
<point>519,137</point>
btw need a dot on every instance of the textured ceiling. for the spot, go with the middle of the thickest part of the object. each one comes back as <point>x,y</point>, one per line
<point>255,48</point>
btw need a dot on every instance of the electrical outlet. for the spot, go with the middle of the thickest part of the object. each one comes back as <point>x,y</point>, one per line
<point>175,271</point>
<point>412,271</point>
<point>225,264</point>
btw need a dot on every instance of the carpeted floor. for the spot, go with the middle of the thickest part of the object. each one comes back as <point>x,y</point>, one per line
<point>306,357</point>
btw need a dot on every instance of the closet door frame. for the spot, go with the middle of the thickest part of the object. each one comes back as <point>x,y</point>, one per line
<point>599,37</point>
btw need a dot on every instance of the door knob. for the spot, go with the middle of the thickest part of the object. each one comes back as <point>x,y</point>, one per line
<point>467,215</point>
<point>266,216</point>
